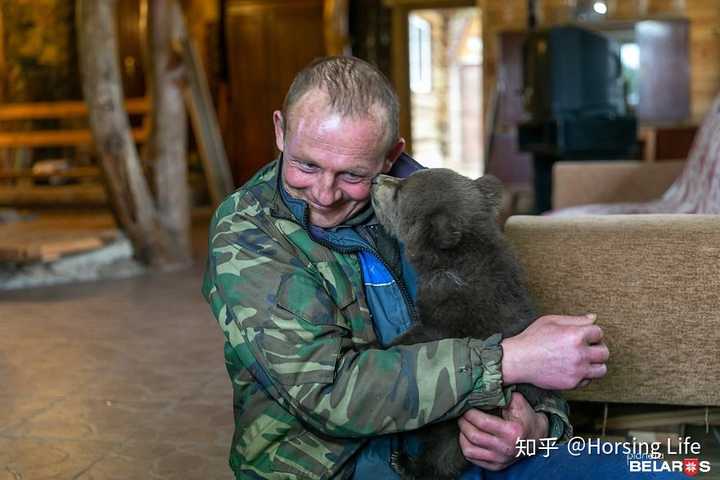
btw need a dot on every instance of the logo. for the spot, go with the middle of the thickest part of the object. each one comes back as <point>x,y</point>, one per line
<point>691,466</point>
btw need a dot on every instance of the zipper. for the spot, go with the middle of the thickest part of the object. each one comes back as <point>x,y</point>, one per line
<point>403,289</point>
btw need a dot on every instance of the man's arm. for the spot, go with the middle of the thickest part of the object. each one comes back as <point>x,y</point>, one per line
<point>290,333</point>
<point>575,355</point>
<point>556,353</point>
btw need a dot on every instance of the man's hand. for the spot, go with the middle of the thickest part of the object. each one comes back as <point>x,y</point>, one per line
<point>555,353</point>
<point>489,441</point>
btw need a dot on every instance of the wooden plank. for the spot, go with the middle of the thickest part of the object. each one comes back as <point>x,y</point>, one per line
<point>50,236</point>
<point>49,195</point>
<point>205,124</point>
<point>51,249</point>
<point>51,138</point>
<point>73,172</point>
<point>68,109</point>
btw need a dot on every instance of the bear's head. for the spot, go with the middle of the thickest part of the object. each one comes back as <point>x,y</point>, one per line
<point>435,209</point>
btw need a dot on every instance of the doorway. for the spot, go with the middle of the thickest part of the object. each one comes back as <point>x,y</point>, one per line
<point>444,55</point>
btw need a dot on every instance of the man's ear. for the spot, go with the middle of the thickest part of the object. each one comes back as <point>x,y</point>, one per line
<point>393,154</point>
<point>279,123</point>
<point>446,231</point>
<point>491,189</point>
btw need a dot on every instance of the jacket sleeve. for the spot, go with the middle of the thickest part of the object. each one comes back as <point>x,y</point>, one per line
<point>556,408</point>
<point>287,328</point>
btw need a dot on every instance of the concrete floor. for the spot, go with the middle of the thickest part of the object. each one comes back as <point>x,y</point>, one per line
<point>114,380</point>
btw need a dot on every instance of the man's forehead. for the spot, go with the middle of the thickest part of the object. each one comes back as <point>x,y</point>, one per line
<point>315,106</point>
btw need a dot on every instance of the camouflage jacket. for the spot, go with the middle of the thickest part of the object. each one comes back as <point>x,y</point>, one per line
<point>311,386</point>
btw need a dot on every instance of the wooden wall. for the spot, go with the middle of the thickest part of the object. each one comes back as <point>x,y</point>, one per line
<point>704,17</point>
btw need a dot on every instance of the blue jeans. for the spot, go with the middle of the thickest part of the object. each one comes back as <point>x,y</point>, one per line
<point>561,465</point>
<point>373,464</point>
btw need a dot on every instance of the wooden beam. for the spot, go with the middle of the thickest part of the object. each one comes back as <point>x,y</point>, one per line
<point>69,109</point>
<point>53,138</point>
<point>336,28</point>
<point>85,194</point>
<point>74,172</point>
<point>205,124</point>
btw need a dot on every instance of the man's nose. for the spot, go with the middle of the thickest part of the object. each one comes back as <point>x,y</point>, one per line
<point>325,192</point>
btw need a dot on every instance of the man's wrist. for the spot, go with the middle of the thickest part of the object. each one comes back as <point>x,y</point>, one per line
<point>509,365</point>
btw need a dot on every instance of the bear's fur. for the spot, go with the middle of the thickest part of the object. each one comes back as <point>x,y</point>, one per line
<point>469,282</point>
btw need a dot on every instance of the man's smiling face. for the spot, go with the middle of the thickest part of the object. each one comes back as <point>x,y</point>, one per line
<point>329,160</point>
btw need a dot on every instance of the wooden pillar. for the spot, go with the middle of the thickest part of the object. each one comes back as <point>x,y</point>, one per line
<point>128,190</point>
<point>167,144</point>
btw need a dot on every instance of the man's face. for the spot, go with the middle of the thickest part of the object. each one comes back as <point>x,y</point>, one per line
<point>329,160</point>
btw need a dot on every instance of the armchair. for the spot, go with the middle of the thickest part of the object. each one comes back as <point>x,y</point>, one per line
<point>588,188</point>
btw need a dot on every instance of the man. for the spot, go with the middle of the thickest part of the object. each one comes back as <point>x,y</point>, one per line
<point>309,291</point>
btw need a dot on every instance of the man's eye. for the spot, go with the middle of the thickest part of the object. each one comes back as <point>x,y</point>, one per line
<point>306,167</point>
<point>352,178</point>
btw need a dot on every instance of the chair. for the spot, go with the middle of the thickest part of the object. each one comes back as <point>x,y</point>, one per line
<point>696,190</point>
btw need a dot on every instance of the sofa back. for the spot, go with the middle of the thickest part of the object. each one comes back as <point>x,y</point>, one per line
<point>653,281</point>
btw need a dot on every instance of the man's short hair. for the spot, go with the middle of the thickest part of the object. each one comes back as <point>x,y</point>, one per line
<point>353,87</point>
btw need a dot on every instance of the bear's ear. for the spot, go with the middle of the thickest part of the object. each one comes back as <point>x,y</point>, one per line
<point>446,231</point>
<point>491,189</point>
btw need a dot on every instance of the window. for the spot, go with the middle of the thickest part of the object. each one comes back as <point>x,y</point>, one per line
<point>630,57</point>
<point>420,54</point>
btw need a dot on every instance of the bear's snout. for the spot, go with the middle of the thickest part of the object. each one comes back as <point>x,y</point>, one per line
<point>383,185</point>
<point>386,180</point>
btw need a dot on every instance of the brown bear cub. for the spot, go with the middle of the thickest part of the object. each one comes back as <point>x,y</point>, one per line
<point>469,282</point>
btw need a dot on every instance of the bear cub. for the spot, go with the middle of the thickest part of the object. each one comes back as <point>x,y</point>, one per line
<point>469,282</point>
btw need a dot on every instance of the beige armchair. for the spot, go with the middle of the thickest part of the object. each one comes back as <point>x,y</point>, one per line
<point>603,182</point>
<point>692,186</point>
<point>654,282</point>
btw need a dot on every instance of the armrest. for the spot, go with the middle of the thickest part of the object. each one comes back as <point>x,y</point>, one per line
<point>654,282</point>
<point>582,183</point>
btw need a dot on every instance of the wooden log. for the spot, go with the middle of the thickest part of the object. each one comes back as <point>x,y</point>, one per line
<point>128,190</point>
<point>167,144</point>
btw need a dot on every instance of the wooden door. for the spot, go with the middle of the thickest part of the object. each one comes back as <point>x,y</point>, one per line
<point>268,42</point>
<point>664,70</point>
